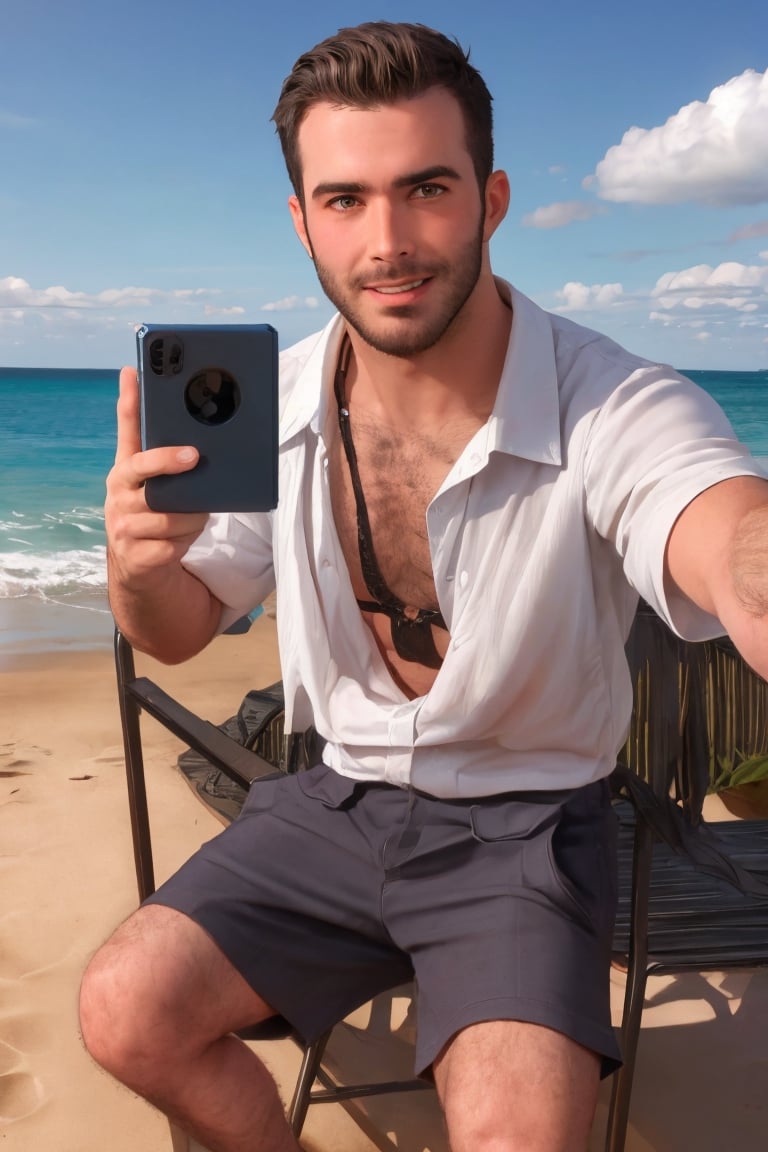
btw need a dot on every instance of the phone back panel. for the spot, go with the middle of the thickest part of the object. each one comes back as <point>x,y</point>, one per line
<point>216,387</point>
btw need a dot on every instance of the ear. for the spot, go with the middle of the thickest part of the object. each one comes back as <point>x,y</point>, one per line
<point>297,215</point>
<point>497,196</point>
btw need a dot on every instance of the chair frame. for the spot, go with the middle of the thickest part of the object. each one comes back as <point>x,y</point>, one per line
<point>137,694</point>
<point>665,762</point>
<point>721,894</point>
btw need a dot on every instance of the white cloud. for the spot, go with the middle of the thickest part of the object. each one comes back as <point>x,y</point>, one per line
<point>703,336</point>
<point>562,213</point>
<point>734,286</point>
<point>556,169</point>
<point>703,295</point>
<point>713,152</point>
<point>577,297</point>
<point>18,293</point>
<point>212,310</point>
<point>291,304</point>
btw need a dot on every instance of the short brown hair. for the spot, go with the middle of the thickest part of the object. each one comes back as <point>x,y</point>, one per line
<point>380,63</point>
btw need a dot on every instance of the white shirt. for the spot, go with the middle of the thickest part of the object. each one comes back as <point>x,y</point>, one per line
<point>553,519</point>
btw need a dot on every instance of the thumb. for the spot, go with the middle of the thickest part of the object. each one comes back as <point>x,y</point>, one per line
<point>128,419</point>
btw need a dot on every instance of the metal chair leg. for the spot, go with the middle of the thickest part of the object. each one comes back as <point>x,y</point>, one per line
<point>310,1065</point>
<point>134,767</point>
<point>634,996</point>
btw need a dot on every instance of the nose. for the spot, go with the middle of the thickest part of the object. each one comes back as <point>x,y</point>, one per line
<point>389,236</point>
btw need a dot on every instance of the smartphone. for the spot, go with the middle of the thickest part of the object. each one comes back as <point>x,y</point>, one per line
<point>215,387</point>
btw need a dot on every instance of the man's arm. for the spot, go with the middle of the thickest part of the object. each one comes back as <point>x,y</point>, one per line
<point>162,609</point>
<point>717,556</point>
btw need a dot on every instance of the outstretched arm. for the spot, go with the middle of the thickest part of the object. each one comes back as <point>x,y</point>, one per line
<point>161,608</point>
<point>717,556</point>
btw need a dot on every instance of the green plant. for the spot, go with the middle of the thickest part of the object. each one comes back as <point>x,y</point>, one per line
<point>746,770</point>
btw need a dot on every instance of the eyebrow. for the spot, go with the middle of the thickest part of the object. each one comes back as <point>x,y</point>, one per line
<point>408,180</point>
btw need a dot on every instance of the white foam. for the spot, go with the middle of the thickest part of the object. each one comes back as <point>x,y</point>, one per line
<point>53,573</point>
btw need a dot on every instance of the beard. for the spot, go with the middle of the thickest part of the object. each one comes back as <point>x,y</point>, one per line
<point>404,330</point>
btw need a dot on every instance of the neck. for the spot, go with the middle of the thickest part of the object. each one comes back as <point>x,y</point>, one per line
<point>458,375</point>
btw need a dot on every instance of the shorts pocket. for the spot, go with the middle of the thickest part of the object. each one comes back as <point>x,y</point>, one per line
<point>261,794</point>
<point>583,863</point>
<point>324,784</point>
<point>513,818</point>
<point>551,858</point>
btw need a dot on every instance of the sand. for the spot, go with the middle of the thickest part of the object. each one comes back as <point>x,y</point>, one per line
<point>67,881</point>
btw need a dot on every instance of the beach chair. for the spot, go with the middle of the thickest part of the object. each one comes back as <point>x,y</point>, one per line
<point>243,767</point>
<point>692,896</point>
<point>689,899</point>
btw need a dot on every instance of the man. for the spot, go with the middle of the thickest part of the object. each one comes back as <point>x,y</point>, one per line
<point>472,495</point>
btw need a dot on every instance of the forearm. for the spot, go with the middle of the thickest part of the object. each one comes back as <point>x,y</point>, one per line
<point>717,556</point>
<point>748,568</point>
<point>169,614</point>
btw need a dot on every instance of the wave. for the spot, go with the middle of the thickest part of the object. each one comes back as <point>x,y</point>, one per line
<point>82,518</point>
<point>47,574</point>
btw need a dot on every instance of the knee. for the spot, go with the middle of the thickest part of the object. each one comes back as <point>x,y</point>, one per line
<point>112,1020</point>
<point>128,1013</point>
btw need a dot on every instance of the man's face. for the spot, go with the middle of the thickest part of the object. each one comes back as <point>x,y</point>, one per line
<point>393,217</point>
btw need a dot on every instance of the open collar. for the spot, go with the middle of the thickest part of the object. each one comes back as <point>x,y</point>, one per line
<point>525,420</point>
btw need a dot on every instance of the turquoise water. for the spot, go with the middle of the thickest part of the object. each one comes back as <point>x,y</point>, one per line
<point>744,398</point>
<point>57,435</point>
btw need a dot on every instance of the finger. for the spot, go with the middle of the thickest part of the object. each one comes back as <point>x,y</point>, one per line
<point>128,423</point>
<point>169,525</point>
<point>160,462</point>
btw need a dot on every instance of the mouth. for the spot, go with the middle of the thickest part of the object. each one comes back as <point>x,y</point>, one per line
<point>398,289</point>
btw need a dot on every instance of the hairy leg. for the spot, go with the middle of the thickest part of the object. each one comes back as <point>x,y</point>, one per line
<point>158,1005</point>
<point>509,1086</point>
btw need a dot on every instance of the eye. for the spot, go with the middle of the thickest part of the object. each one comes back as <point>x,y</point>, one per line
<point>343,203</point>
<point>428,191</point>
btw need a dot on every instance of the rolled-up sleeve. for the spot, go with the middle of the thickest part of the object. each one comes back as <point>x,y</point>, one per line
<point>233,558</point>
<point>656,443</point>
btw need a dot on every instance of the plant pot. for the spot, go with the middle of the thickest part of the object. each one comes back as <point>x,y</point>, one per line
<point>748,801</point>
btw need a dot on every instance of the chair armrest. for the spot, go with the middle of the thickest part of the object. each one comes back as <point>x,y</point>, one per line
<point>238,763</point>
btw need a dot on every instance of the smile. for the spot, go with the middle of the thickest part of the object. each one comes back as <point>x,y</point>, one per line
<point>394,290</point>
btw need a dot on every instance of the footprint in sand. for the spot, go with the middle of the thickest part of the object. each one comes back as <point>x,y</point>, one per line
<point>21,1093</point>
<point>12,749</point>
<point>109,758</point>
<point>24,1031</point>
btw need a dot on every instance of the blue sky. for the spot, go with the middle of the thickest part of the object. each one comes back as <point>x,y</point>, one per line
<point>140,177</point>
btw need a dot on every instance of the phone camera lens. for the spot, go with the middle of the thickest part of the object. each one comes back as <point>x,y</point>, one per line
<point>212,396</point>
<point>166,354</point>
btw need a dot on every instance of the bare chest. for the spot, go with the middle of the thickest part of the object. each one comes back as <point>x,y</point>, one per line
<point>398,477</point>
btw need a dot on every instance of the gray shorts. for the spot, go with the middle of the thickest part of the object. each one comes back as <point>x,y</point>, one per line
<point>327,891</point>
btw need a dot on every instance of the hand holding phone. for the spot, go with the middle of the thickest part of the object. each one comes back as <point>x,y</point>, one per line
<point>214,387</point>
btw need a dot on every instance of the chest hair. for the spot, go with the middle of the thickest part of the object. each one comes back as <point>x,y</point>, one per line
<point>400,472</point>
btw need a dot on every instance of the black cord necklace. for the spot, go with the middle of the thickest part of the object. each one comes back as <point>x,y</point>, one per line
<point>411,627</point>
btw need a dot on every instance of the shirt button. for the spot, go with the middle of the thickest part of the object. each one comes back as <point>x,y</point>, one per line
<point>464,579</point>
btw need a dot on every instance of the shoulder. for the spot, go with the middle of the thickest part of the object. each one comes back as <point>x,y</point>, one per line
<point>589,361</point>
<point>598,375</point>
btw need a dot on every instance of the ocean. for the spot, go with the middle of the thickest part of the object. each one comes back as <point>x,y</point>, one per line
<point>57,436</point>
